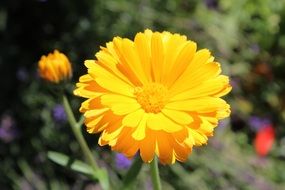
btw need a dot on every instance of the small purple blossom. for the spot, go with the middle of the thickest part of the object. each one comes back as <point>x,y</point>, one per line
<point>235,82</point>
<point>22,74</point>
<point>8,130</point>
<point>211,4</point>
<point>255,48</point>
<point>223,124</point>
<point>58,113</point>
<point>257,123</point>
<point>122,162</point>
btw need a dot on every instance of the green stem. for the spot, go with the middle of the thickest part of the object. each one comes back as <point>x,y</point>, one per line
<point>99,173</point>
<point>155,174</point>
<point>78,134</point>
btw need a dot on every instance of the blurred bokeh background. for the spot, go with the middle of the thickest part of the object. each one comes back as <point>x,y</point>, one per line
<point>246,36</point>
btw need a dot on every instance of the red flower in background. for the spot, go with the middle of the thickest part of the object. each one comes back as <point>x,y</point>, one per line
<point>264,140</point>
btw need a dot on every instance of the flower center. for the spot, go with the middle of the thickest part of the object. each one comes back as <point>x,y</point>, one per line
<point>151,97</point>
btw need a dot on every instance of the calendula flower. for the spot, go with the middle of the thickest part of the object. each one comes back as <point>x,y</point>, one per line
<point>157,95</point>
<point>55,67</point>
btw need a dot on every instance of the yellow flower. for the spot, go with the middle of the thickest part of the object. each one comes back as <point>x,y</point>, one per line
<point>157,95</point>
<point>55,67</point>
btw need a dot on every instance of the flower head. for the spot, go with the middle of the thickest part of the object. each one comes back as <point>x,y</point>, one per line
<point>55,67</point>
<point>156,95</point>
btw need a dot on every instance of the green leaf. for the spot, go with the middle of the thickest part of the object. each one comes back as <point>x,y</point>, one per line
<point>79,166</point>
<point>71,163</point>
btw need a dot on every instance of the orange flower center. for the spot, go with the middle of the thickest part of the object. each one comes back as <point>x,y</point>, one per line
<point>151,97</point>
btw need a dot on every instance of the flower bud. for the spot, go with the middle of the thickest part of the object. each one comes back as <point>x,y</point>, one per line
<point>55,67</point>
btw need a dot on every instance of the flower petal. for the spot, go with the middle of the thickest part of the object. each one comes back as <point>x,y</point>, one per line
<point>120,105</point>
<point>178,116</point>
<point>200,105</point>
<point>132,60</point>
<point>165,148</point>
<point>133,119</point>
<point>157,56</point>
<point>139,133</point>
<point>161,122</point>
<point>107,60</point>
<point>210,87</point>
<point>198,138</point>
<point>147,148</point>
<point>143,48</point>
<point>198,76</point>
<point>182,61</point>
<point>107,80</point>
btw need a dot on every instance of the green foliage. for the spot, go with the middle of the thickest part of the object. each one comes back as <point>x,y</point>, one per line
<point>71,163</point>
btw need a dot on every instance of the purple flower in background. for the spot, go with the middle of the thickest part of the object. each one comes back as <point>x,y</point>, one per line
<point>255,48</point>
<point>223,124</point>
<point>211,4</point>
<point>58,113</point>
<point>257,123</point>
<point>8,130</point>
<point>22,74</point>
<point>122,162</point>
<point>235,82</point>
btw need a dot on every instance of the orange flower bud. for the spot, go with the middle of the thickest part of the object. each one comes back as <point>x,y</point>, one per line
<point>55,67</point>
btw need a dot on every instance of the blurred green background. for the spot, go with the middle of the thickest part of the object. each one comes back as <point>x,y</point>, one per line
<point>246,36</point>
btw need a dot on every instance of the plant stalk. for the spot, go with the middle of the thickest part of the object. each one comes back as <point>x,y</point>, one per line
<point>76,129</point>
<point>155,174</point>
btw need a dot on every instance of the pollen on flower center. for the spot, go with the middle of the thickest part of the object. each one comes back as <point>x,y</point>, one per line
<point>151,97</point>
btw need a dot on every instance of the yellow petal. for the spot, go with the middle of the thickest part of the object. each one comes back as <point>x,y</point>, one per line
<point>189,141</point>
<point>161,122</point>
<point>82,90</point>
<point>120,105</point>
<point>206,127</point>
<point>199,138</point>
<point>139,133</point>
<point>178,116</point>
<point>165,149</point>
<point>196,77</point>
<point>109,136</point>
<point>200,105</point>
<point>182,61</point>
<point>147,148</point>
<point>95,112</point>
<point>221,114</point>
<point>110,62</point>
<point>133,119</point>
<point>123,64</point>
<point>111,99</point>
<point>181,151</point>
<point>132,59</point>
<point>91,124</point>
<point>208,88</point>
<point>173,47</point>
<point>143,48</point>
<point>224,91</point>
<point>108,81</point>
<point>124,109</point>
<point>157,56</point>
